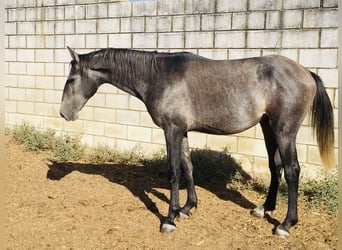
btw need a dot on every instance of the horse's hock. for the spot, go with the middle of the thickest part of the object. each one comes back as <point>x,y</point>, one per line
<point>37,63</point>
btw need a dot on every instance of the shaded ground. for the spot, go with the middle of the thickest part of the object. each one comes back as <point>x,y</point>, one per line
<point>106,206</point>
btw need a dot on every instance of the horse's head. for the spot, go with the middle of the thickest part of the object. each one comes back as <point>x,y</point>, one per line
<point>82,83</point>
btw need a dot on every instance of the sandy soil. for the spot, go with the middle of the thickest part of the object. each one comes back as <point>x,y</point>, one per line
<point>106,206</point>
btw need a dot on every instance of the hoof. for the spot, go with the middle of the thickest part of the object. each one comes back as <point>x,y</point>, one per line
<point>167,228</point>
<point>258,212</point>
<point>183,216</point>
<point>282,232</point>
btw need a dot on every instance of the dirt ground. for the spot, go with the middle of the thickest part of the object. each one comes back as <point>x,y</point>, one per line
<point>106,206</point>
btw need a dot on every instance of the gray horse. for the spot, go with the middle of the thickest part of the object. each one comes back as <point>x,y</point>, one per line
<point>186,92</point>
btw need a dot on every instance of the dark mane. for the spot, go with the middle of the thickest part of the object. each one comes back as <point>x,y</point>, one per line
<point>131,64</point>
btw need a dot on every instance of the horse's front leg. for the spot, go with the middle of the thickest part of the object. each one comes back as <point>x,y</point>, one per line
<point>173,136</point>
<point>187,168</point>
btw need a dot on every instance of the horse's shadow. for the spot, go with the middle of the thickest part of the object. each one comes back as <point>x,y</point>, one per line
<point>212,171</point>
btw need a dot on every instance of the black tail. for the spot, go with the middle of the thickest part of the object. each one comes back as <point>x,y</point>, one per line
<point>322,119</point>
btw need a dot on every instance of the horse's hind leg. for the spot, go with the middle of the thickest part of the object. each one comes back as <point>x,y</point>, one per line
<point>275,166</point>
<point>187,169</point>
<point>288,154</point>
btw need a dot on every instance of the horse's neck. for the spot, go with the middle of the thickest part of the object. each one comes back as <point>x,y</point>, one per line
<point>132,75</point>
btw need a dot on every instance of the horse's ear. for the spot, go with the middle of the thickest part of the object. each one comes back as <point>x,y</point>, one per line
<point>74,55</point>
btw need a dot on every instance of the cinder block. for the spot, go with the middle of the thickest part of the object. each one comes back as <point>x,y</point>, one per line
<point>44,55</point>
<point>26,28</point>
<point>52,96</point>
<point>48,28</point>
<point>135,104</point>
<point>217,54</point>
<point>178,23</point>
<point>16,14</point>
<point>104,114</point>
<point>298,4</point>
<point>314,156</point>
<point>64,27</point>
<point>35,95</point>
<point>231,39</point>
<point>26,3</point>
<point>108,25</point>
<point>146,120</point>
<point>256,20</point>
<point>25,107</point>
<point>217,22</point>
<point>10,106</point>
<point>93,128</point>
<point>292,19</point>
<point>25,55</point>
<point>96,11</point>
<point>330,3</point>
<point>55,123</point>
<point>98,100</point>
<point>85,26</point>
<point>300,39</point>
<point>116,130</point>
<point>243,53</point>
<point>53,41</point>
<point>317,18</point>
<point>273,19</point>
<point>139,134</point>
<point>329,38</point>
<point>132,24</point>
<point>252,146</point>
<point>231,6</point>
<point>33,14</point>
<point>200,6</point>
<point>75,12</point>
<point>171,7</point>
<point>19,68</point>
<point>26,81</point>
<point>318,58</point>
<point>128,117</point>
<point>158,136</point>
<point>11,28</point>
<point>16,94</point>
<point>217,142</point>
<point>96,41</point>
<point>239,21</point>
<point>17,42</point>
<point>263,39</point>
<point>264,4</point>
<point>75,41</point>
<point>193,23</point>
<point>35,41</point>
<point>117,101</point>
<point>43,109</point>
<point>145,40</point>
<point>158,24</point>
<point>54,69</point>
<point>119,9</point>
<point>120,40</point>
<point>144,8</point>
<point>197,140</point>
<point>329,77</point>
<point>170,40</point>
<point>199,40</point>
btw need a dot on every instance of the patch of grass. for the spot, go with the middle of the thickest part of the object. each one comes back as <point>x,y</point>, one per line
<point>32,139</point>
<point>68,148</point>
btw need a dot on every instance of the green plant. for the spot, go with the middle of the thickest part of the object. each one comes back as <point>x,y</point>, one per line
<point>32,139</point>
<point>102,154</point>
<point>68,148</point>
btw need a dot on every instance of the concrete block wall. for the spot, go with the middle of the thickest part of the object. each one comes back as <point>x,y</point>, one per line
<point>37,62</point>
